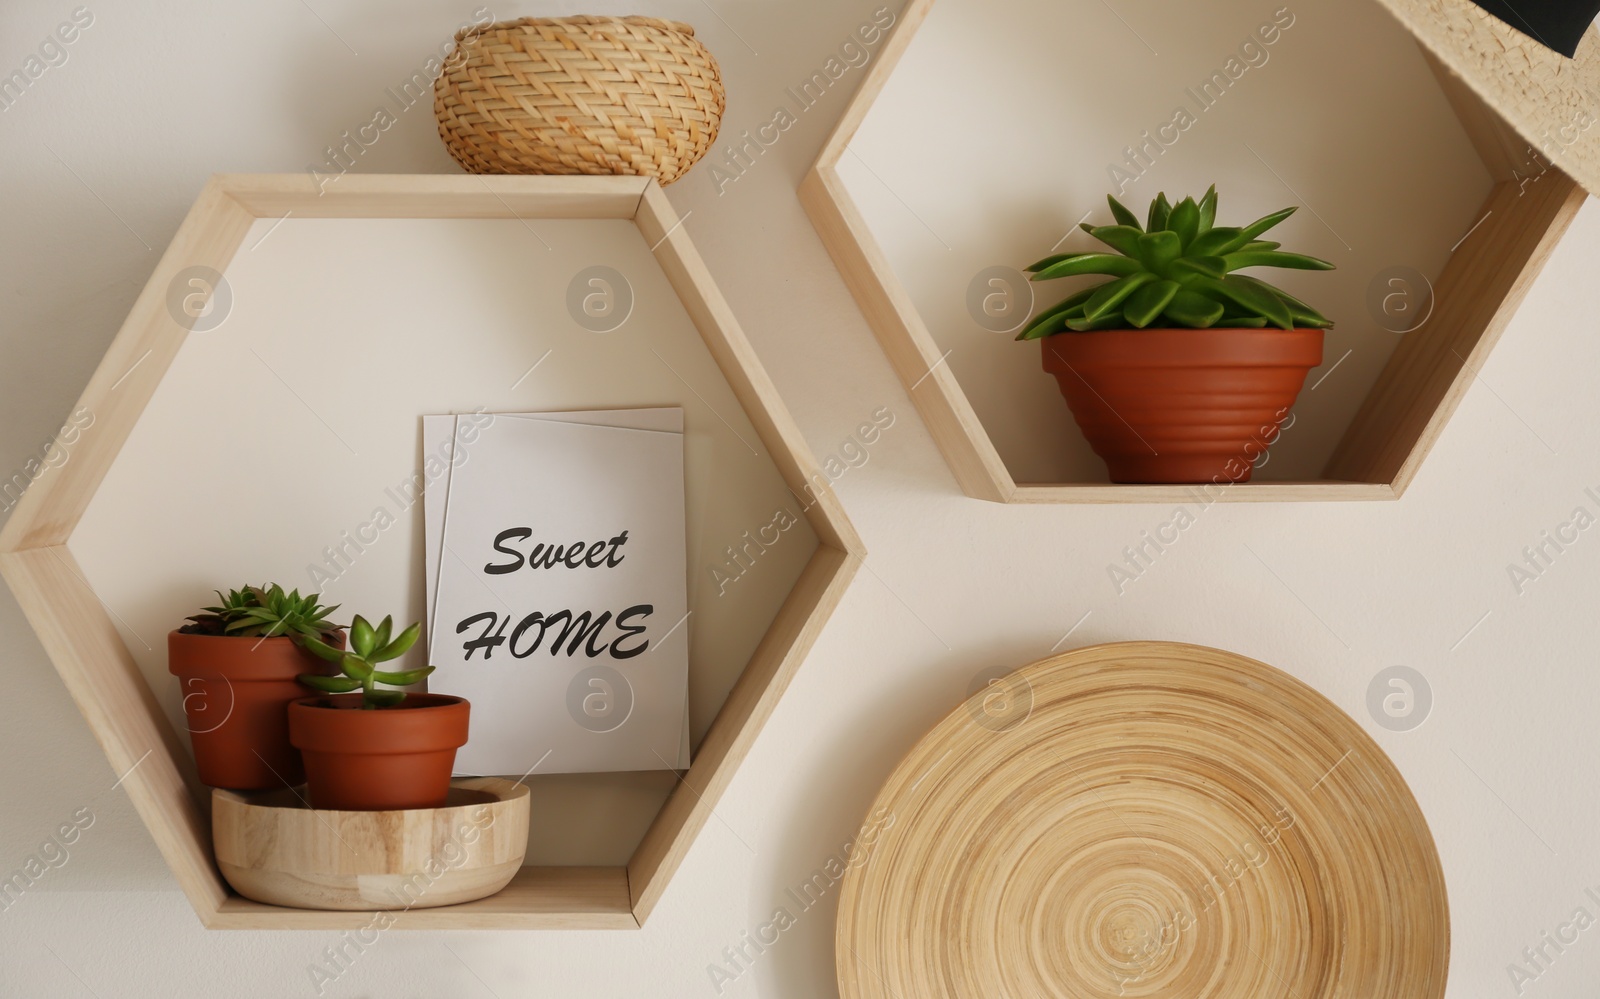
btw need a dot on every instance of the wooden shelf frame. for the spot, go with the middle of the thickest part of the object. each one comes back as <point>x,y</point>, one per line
<point>1430,370</point>
<point>83,643</point>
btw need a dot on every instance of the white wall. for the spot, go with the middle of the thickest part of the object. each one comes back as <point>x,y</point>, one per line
<point>152,100</point>
<point>1301,123</point>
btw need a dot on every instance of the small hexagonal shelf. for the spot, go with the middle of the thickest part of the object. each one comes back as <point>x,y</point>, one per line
<point>1431,147</point>
<point>259,408</point>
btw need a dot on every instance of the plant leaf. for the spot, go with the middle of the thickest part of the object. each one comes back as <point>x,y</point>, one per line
<point>404,678</point>
<point>1185,220</point>
<point>1272,258</point>
<point>400,645</point>
<point>1050,325</point>
<point>1193,310</point>
<point>1121,214</point>
<point>1160,209</point>
<point>1208,210</point>
<point>1211,267</point>
<point>1113,321</point>
<point>1107,297</point>
<point>1091,263</point>
<point>362,637</point>
<point>382,637</point>
<point>323,651</point>
<point>1304,315</point>
<point>1122,238</point>
<point>1256,299</point>
<point>1266,222</point>
<point>1050,261</point>
<point>383,698</point>
<point>1160,249</point>
<point>330,684</point>
<point>1144,305</point>
<point>1054,319</point>
<point>355,666</point>
<point>1221,240</point>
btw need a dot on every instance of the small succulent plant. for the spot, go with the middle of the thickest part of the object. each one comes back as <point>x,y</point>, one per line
<point>368,647</point>
<point>1178,270</point>
<point>264,612</point>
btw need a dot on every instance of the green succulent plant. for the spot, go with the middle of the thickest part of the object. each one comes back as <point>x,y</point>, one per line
<point>264,612</point>
<point>368,647</point>
<point>1179,268</point>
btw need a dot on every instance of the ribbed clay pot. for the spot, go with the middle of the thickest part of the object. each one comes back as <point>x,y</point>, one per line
<point>236,694</point>
<point>1179,406</point>
<point>361,760</point>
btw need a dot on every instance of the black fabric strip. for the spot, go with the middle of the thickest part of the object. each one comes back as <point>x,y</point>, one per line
<point>1555,24</point>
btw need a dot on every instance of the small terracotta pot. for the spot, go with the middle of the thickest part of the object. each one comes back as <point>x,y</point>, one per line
<point>1182,405</point>
<point>236,694</point>
<point>382,759</point>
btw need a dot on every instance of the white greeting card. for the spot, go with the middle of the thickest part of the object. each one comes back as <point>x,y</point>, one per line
<point>556,588</point>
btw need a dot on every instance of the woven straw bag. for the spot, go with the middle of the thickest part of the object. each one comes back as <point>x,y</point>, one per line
<point>596,95</point>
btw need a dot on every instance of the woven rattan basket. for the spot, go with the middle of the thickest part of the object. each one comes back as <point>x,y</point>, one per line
<point>595,95</point>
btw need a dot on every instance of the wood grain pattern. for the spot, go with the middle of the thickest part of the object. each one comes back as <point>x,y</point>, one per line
<point>889,55</point>
<point>1502,150</point>
<point>84,644</point>
<point>904,337</point>
<point>890,313</point>
<point>82,641</point>
<point>538,898</point>
<point>663,231</point>
<point>128,375</point>
<point>1145,819</point>
<point>1508,93</point>
<point>273,848</point>
<point>1476,296</point>
<point>750,703</point>
<point>1319,491</point>
<point>434,196</point>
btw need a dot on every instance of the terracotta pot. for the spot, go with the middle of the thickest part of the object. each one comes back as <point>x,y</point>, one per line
<point>1182,405</point>
<point>382,759</point>
<point>236,694</point>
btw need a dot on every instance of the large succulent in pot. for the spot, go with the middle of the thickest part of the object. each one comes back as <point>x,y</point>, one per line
<point>264,611</point>
<point>1177,270</point>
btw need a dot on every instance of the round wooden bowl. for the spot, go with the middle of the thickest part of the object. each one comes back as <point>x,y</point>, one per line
<point>273,848</point>
<point>1145,819</point>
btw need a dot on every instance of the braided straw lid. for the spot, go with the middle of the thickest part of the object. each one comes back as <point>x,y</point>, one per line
<point>1145,819</point>
<point>1551,101</point>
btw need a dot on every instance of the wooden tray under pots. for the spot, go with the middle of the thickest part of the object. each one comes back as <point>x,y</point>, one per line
<point>273,848</point>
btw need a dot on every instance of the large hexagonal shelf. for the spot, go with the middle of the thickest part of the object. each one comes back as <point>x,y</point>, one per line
<point>260,405</point>
<point>1436,176</point>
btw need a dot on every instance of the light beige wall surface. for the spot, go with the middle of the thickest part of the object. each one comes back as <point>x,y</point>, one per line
<point>1313,100</point>
<point>104,153</point>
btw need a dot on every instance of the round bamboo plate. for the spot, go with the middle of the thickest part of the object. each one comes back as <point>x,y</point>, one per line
<point>272,848</point>
<point>1145,819</point>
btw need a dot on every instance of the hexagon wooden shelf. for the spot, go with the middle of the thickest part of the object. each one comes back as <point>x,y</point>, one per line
<point>125,716</point>
<point>1511,97</point>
